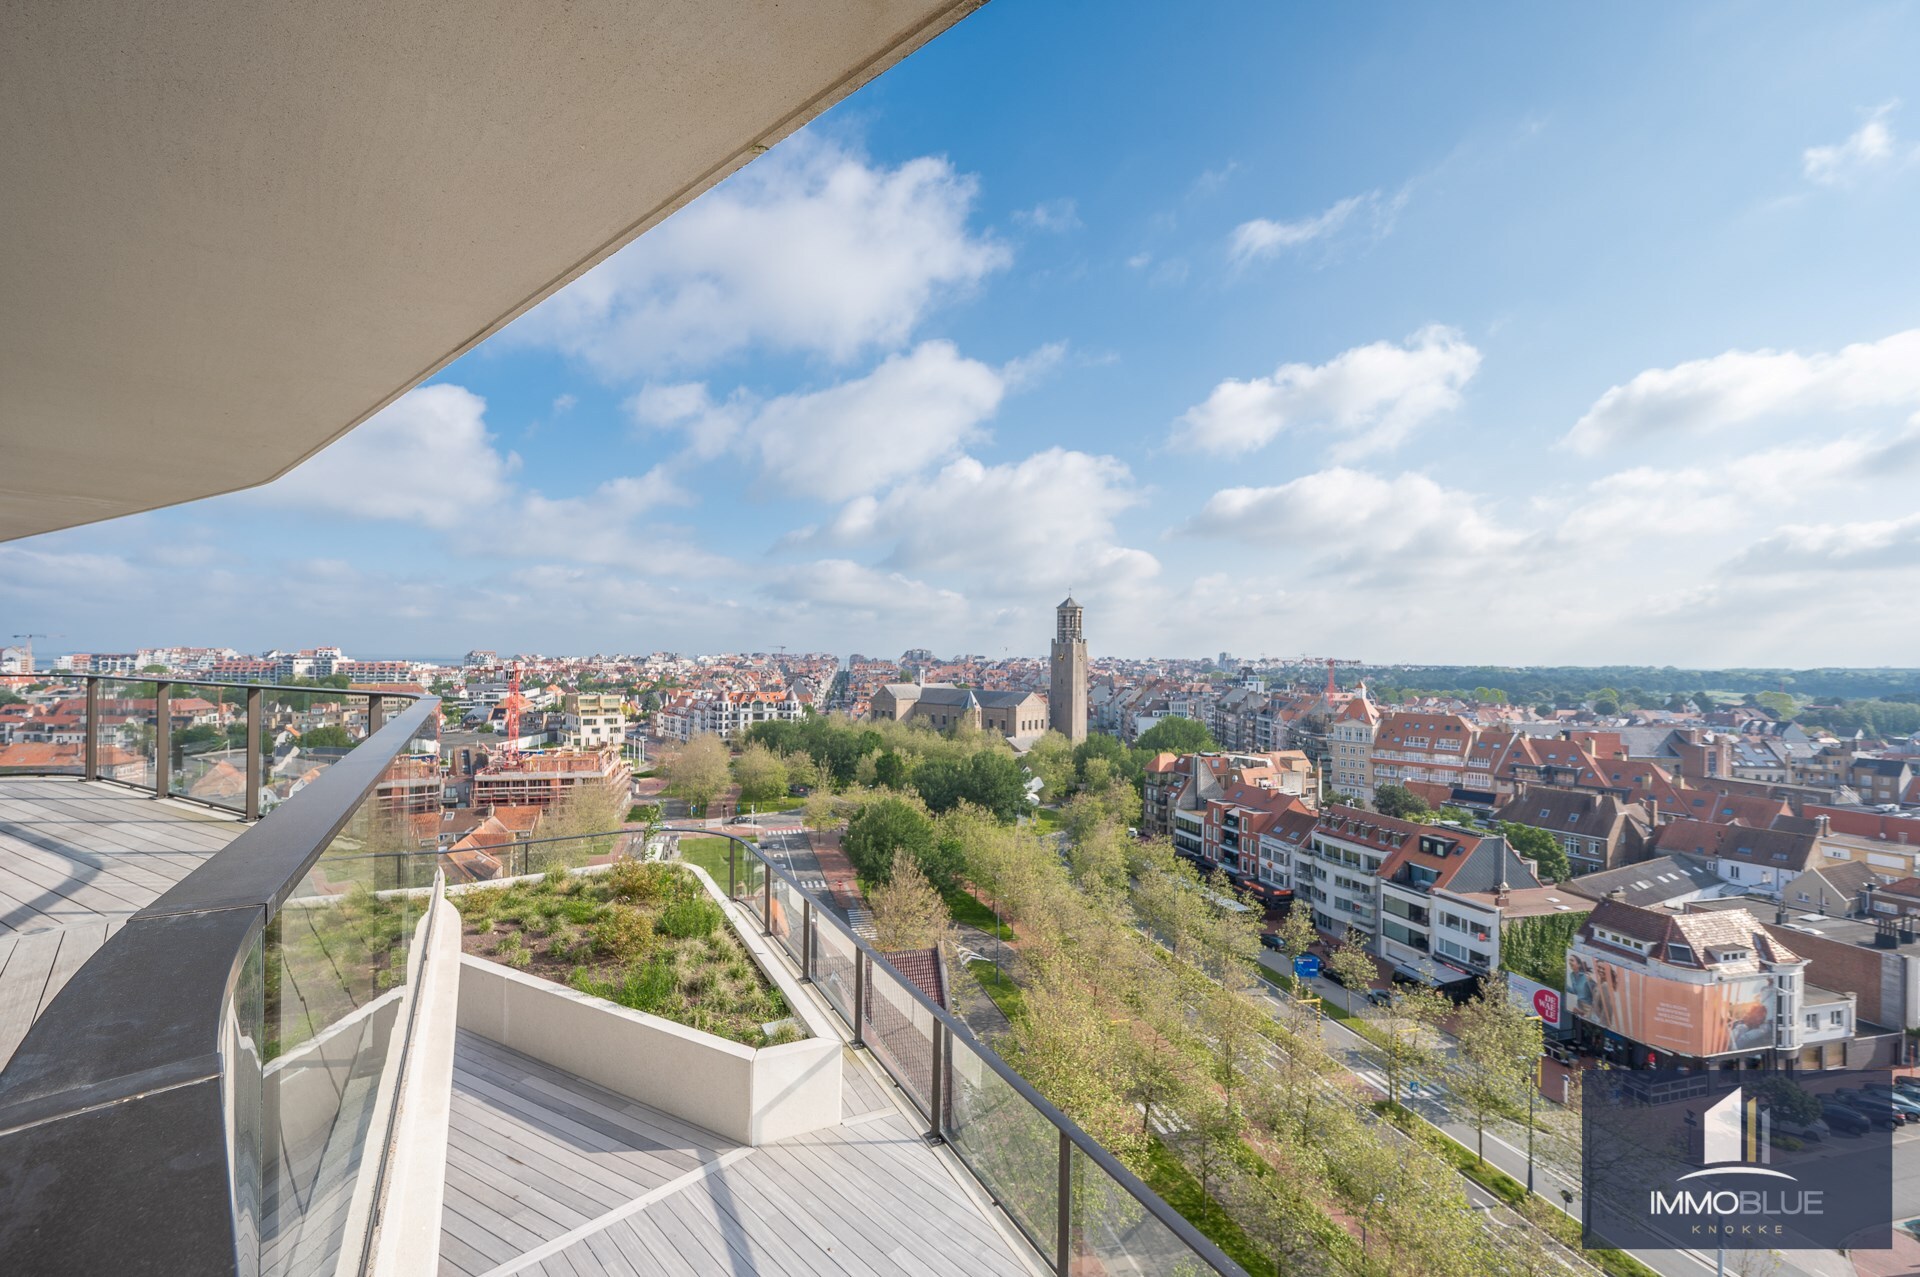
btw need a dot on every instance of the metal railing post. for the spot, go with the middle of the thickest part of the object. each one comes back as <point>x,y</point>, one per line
<point>806,939</point>
<point>91,747</point>
<point>1062,1233</point>
<point>253,753</point>
<point>766,900</point>
<point>374,716</point>
<point>940,1049</point>
<point>733,873</point>
<point>859,996</point>
<point>162,739</point>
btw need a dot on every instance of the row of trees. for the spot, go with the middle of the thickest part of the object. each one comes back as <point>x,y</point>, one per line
<point>1138,1024</point>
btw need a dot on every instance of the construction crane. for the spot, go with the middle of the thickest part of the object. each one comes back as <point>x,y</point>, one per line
<point>26,648</point>
<point>513,711</point>
<point>1332,662</point>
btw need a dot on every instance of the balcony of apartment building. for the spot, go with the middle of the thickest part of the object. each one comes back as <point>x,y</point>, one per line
<point>255,1032</point>
<point>234,1011</point>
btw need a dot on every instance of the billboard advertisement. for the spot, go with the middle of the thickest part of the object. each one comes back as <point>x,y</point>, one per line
<point>1537,999</point>
<point>1730,1017</point>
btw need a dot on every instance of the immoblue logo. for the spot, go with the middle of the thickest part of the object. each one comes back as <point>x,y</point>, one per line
<point>1737,1130</point>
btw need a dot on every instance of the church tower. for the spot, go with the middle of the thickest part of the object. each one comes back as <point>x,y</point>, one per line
<point>1067,694</point>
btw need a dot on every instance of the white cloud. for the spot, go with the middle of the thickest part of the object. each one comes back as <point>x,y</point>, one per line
<point>427,458</point>
<point>1375,395</point>
<point>812,248</point>
<point>1869,148</point>
<point>843,585</point>
<point>1740,386</point>
<point>915,409</point>
<point>1051,215</point>
<point>1657,502</point>
<point>1265,237</point>
<point>1049,518</point>
<point>1877,545</point>
<point>912,411</point>
<point>1356,522</point>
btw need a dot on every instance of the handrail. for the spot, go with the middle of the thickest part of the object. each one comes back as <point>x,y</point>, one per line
<point>129,1139</point>
<point>62,676</point>
<point>1203,1249</point>
<point>162,760</point>
<point>1175,1222</point>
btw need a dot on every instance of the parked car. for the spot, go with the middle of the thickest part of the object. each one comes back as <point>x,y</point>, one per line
<point>1878,1111</point>
<point>1268,940</point>
<point>1843,1120</point>
<point>1908,1083</point>
<point>1908,1104</point>
<point>1381,997</point>
<point>799,791</point>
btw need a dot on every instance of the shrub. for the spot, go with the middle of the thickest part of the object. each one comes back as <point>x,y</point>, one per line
<point>640,881</point>
<point>686,919</point>
<point>623,935</point>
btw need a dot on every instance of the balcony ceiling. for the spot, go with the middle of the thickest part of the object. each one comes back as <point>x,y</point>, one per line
<point>234,231</point>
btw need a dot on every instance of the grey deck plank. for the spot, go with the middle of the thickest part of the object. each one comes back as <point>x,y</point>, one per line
<point>22,984</point>
<point>536,1156</point>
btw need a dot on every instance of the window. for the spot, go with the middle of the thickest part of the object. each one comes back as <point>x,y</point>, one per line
<point>1679,953</point>
<point>1836,1018</point>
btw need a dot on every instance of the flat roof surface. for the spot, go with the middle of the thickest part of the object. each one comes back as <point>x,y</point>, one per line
<point>550,1174</point>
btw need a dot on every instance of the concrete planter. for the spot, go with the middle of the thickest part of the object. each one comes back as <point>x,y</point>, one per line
<point>750,1096</point>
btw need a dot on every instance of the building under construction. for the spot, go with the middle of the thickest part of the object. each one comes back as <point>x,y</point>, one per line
<point>540,780</point>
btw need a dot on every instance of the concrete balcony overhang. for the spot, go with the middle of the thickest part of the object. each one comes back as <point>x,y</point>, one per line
<point>234,231</point>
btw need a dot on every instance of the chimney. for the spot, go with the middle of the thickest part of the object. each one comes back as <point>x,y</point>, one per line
<point>1822,825</point>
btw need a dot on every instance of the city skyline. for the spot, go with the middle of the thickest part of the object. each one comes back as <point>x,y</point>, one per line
<point>1540,373</point>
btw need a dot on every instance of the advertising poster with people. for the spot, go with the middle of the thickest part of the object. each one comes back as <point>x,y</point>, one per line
<point>1702,1020</point>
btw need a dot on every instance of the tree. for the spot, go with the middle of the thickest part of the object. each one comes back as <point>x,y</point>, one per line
<point>1296,932</point>
<point>584,809</point>
<point>1350,965</point>
<point>1409,1042</point>
<point>907,912</point>
<point>699,770</point>
<point>331,736</point>
<point>1051,759</point>
<point>761,774</point>
<point>1174,735</point>
<point>941,784</point>
<point>890,769</point>
<point>996,782</point>
<point>1540,847</point>
<point>1500,1048</point>
<point>1401,803</point>
<point>883,828</point>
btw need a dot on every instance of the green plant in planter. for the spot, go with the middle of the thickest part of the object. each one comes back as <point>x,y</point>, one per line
<point>623,935</point>
<point>687,919</point>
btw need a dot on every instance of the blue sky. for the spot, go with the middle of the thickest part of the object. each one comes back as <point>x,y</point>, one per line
<point>1514,333</point>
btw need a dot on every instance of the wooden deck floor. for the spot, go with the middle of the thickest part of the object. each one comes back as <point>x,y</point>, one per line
<point>548,1174</point>
<point>76,860</point>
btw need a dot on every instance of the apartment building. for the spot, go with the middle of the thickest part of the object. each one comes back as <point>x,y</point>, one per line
<point>540,780</point>
<point>590,720</point>
<point>1712,989</point>
<point>1762,860</point>
<point>1177,788</point>
<point>1597,830</point>
<point>1350,738</point>
<point>1431,899</point>
<point>1430,748</point>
